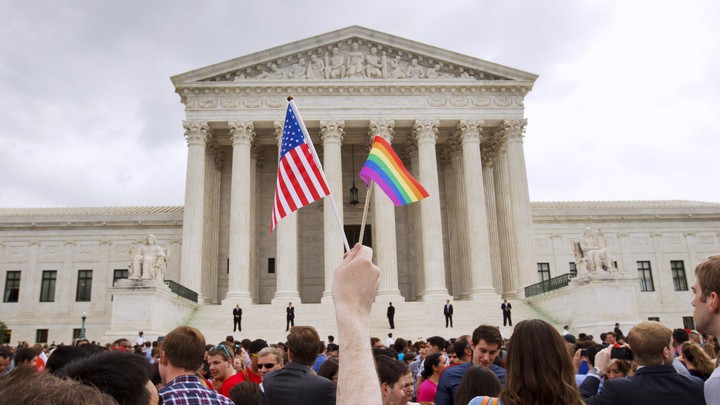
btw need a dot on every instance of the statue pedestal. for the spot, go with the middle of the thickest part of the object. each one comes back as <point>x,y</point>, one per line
<point>148,306</point>
<point>592,304</point>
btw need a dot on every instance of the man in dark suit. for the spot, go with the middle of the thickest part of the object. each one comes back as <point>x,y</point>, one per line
<point>507,315</point>
<point>289,316</point>
<point>391,316</point>
<point>655,382</point>
<point>448,312</point>
<point>237,318</point>
<point>296,384</point>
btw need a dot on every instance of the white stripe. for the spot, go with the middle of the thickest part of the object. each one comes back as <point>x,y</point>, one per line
<point>289,186</point>
<point>295,154</point>
<point>281,197</point>
<point>309,167</point>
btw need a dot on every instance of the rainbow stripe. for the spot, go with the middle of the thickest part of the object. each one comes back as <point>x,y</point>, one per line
<point>386,169</point>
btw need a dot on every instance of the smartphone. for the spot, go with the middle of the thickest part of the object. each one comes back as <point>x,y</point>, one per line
<point>583,352</point>
<point>621,353</point>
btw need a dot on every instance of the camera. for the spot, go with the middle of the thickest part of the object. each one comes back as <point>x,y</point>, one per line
<point>583,352</point>
<point>621,353</point>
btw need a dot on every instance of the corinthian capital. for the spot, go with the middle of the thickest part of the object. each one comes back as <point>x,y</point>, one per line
<point>331,131</point>
<point>278,125</point>
<point>242,132</point>
<point>196,132</point>
<point>382,127</point>
<point>515,129</point>
<point>469,130</point>
<point>426,130</point>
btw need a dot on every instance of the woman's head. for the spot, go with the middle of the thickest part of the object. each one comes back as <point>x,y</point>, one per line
<point>329,369</point>
<point>696,358</point>
<point>477,381</point>
<point>434,363</point>
<point>539,367</point>
<point>618,369</point>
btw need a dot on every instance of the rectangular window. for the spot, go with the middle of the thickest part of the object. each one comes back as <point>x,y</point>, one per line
<point>12,286</point>
<point>47,288</point>
<point>544,271</point>
<point>654,318</point>
<point>41,336</point>
<point>76,333</point>
<point>271,265</point>
<point>84,286</point>
<point>689,322</point>
<point>678,275</point>
<point>119,274</point>
<point>573,269</point>
<point>645,274</point>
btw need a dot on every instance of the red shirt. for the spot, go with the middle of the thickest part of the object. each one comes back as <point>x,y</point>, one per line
<point>231,382</point>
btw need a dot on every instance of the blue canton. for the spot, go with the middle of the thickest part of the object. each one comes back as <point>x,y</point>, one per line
<point>292,134</point>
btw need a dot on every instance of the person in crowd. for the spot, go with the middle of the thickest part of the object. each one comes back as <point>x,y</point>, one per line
<point>223,374</point>
<point>695,338</point>
<point>63,355</point>
<point>332,347</point>
<point>534,377</point>
<point>506,308</point>
<point>375,343</point>
<point>329,370</point>
<point>434,365</point>
<point>655,381</point>
<point>239,363</point>
<point>391,315</point>
<point>618,369</point>
<point>679,336</point>
<point>451,355</point>
<point>269,359</point>
<point>706,303</point>
<point>6,357</point>
<point>477,381</point>
<point>448,312</point>
<point>584,363</point>
<point>696,361</point>
<point>321,357</point>
<point>618,333</point>
<point>707,348</point>
<point>289,316</point>
<point>25,355</point>
<point>182,355</point>
<point>389,342</point>
<point>251,372</point>
<point>463,350</point>
<point>246,393</point>
<point>395,380</point>
<point>124,376</point>
<point>25,386</point>
<point>296,383</point>
<point>486,341</point>
<point>610,339</point>
<point>237,318</point>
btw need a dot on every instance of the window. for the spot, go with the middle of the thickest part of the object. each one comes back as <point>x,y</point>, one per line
<point>645,274</point>
<point>84,286</point>
<point>544,271</point>
<point>271,265</point>
<point>654,318</point>
<point>678,275</point>
<point>573,269</point>
<point>12,286</point>
<point>41,336</point>
<point>76,333</point>
<point>688,322</point>
<point>119,274</point>
<point>47,288</point>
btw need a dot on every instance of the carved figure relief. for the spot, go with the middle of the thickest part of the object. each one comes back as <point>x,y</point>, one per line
<point>149,261</point>
<point>592,254</point>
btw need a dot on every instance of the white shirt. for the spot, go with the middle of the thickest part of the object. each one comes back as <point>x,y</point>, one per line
<point>140,341</point>
<point>712,388</point>
<point>389,342</point>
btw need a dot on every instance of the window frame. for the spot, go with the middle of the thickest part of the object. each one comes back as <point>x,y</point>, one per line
<point>84,286</point>
<point>48,286</point>
<point>645,275</point>
<point>678,275</point>
<point>12,286</point>
<point>543,271</point>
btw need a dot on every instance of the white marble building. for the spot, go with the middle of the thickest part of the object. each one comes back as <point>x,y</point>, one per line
<point>456,121</point>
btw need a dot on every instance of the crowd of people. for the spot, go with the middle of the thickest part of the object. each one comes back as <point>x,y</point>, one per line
<point>537,365</point>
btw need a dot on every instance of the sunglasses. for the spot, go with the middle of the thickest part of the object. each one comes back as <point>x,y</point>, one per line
<point>266,365</point>
<point>218,347</point>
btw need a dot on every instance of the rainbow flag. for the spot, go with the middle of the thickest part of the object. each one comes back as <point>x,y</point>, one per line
<point>386,169</point>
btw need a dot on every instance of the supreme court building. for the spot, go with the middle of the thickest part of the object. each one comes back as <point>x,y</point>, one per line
<point>457,123</point>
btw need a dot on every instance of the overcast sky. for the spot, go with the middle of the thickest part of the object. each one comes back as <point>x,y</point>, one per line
<point>627,105</point>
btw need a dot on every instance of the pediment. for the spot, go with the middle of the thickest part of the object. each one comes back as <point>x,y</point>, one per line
<point>353,53</point>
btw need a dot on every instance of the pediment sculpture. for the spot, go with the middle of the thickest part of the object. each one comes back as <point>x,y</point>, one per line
<point>355,59</point>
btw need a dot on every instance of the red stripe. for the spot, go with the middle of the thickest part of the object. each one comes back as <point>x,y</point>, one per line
<point>307,177</point>
<point>318,174</point>
<point>285,194</point>
<point>292,175</point>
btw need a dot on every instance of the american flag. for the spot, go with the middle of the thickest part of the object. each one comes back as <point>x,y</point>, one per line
<point>300,179</point>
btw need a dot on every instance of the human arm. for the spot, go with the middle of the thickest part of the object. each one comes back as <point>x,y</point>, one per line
<point>353,289</point>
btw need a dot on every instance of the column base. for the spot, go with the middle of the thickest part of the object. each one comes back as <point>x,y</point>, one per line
<point>237,297</point>
<point>482,294</point>
<point>283,297</point>
<point>389,296</point>
<point>440,294</point>
<point>512,295</point>
<point>326,298</point>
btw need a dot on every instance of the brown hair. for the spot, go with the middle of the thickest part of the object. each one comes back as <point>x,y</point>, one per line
<point>477,381</point>
<point>23,385</point>
<point>303,341</point>
<point>539,368</point>
<point>694,355</point>
<point>488,333</point>
<point>647,341</point>
<point>708,276</point>
<point>184,347</point>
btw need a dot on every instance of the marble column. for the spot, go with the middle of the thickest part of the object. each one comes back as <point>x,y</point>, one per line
<point>286,263</point>
<point>241,134</point>
<point>425,132</point>
<point>196,134</point>
<point>480,265</point>
<point>211,239</point>
<point>384,237</point>
<point>414,227</point>
<point>522,212</point>
<point>457,221</point>
<point>488,155</point>
<point>256,164</point>
<point>503,204</point>
<point>331,132</point>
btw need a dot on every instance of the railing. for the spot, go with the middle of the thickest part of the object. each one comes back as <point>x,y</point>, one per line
<point>548,285</point>
<point>182,291</point>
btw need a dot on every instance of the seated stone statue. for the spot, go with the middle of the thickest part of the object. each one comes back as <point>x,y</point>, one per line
<point>149,261</point>
<point>592,254</point>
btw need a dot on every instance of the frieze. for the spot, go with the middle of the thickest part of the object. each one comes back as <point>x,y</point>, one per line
<point>354,60</point>
<point>489,101</point>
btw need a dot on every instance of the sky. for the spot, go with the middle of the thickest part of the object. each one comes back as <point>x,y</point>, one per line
<point>626,106</point>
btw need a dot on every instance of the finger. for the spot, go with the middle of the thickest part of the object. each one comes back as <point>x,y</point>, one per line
<point>352,253</point>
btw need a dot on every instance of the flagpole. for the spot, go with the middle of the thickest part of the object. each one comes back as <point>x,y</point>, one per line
<point>365,211</point>
<point>308,140</point>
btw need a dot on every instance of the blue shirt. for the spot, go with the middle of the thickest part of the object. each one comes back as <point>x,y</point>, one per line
<point>318,362</point>
<point>450,379</point>
<point>188,390</point>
